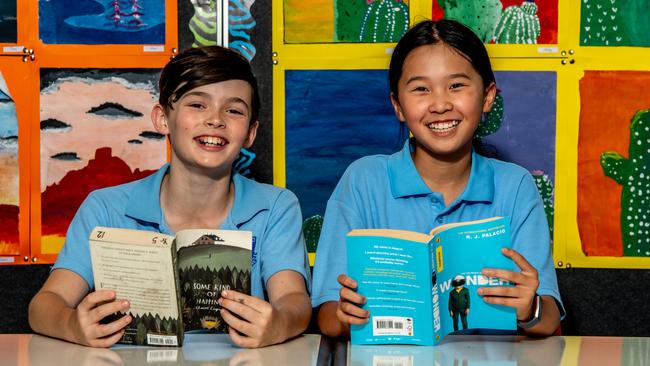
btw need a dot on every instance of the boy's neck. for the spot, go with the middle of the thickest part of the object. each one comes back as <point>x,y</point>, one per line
<point>190,200</point>
<point>449,176</point>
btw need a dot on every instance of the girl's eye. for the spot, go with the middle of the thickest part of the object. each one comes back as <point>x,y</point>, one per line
<point>456,85</point>
<point>420,89</point>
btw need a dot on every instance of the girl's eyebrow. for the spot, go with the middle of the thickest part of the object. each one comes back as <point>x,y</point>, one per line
<point>451,76</point>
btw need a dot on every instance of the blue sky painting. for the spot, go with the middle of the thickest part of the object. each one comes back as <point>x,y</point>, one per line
<point>333,117</point>
<point>102,21</point>
<point>8,24</point>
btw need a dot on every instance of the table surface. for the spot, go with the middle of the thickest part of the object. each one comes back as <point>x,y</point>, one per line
<point>311,349</point>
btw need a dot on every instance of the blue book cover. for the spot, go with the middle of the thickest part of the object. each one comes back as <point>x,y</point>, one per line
<point>417,286</point>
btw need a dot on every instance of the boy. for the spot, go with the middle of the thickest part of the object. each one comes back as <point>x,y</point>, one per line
<point>208,107</point>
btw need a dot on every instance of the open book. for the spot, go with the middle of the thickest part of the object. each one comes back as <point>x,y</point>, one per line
<point>172,283</point>
<point>417,286</point>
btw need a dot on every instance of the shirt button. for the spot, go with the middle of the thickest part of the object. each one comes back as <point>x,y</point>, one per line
<point>439,220</point>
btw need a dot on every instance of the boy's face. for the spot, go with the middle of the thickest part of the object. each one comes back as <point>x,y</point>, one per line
<point>209,125</point>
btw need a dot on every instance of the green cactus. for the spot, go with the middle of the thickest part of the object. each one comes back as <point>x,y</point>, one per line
<point>518,24</point>
<point>311,230</point>
<point>492,120</point>
<point>384,21</point>
<point>481,16</point>
<point>633,174</point>
<point>546,190</point>
<point>370,21</point>
<point>614,23</point>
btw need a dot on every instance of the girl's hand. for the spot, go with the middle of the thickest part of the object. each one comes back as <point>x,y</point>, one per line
<point>86,318</point>
<point>348,310</point>
<point>252,322</point>
<point>521,295</point>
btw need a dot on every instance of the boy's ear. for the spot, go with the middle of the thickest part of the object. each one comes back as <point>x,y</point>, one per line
<point>488,99</point>
<point>252,132</point>
<point>397,108</point>
<point>159,119</point>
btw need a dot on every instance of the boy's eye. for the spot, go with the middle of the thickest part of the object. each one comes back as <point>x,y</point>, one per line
<point>196,105</point>
<point>235,111</point>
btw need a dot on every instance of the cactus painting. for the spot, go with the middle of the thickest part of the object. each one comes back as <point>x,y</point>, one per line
<point>633,175</point>
<point>614,23</point>
<point>9,174</point>
<point>546,190</point>
<point>370,20</point>
<point>311,229</point>
<point>503,21</point>
<point>613,211</point>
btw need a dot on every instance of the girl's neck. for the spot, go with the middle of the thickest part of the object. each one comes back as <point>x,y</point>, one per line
<point>191,200</point>
<point>447,174</point>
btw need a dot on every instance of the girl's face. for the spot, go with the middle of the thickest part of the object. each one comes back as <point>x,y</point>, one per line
<point>209,124</point>
<point>441,98</point>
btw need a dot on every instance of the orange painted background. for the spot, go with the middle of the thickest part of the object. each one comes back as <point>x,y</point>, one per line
<point>609,100</point>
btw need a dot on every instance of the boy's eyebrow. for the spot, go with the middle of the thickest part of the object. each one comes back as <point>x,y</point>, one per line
<point>206,95</point>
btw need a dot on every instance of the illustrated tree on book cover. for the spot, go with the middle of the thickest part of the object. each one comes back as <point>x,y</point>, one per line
<point>9,174</point>
<point>503,21</point>
<point>633,175</point>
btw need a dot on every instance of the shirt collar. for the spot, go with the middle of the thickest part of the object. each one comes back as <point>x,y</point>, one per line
<point>405,180</point>
<point>144,202</point>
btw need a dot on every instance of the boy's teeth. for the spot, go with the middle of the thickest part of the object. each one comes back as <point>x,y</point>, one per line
<point>442,126</point>
<point>213,141</point>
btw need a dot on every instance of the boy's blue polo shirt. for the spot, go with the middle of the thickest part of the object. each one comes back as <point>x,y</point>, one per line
<point>386,191</point>
<point>271,213</point>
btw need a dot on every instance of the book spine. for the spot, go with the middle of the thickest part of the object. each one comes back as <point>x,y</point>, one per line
<point>435,297</point>
<point>180,328</point>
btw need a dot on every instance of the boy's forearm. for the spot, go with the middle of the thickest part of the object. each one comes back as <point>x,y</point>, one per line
<point>50,315</point>
<point>295,312</point>
<point>329,323</point>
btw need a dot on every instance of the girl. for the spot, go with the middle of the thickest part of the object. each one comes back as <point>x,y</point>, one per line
<point>441,82</point>
<point>208,107</point>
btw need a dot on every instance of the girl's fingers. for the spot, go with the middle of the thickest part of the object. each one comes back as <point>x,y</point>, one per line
<point>519,260</point>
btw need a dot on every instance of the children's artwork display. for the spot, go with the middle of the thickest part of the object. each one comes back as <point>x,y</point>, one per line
<point>102,21</point>
<point>525,135</point>
<point>329,125</point>
<point>95,132</point>
<point>8,24</point>
<point>614,23</point>
<point>203,23</point>
<point>9,174</point>
<point>359,21</point>
<point>614,164</point>
<point>504,21</point>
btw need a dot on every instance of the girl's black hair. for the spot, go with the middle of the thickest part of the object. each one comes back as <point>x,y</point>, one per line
<point>449,32</point>
<point>200,66</point>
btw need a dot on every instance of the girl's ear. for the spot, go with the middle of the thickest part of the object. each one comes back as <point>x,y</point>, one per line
<point>489,95</point>
<point>159,119</point>
<point>397,107</point>
<point>252,132</point>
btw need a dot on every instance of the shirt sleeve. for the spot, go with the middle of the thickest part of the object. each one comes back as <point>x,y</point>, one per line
<point>75,254</point>
<point>331,257</point>
<point>530,237</point>
<point>284,245</point>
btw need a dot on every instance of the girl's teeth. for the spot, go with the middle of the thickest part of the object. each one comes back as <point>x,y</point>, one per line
<point>442,126</point>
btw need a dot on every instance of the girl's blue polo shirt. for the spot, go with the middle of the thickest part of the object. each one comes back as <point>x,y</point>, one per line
<point>387,192</point>
<point>271,213</point>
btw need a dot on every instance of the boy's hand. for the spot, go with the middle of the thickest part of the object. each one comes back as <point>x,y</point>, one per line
<point>521,295</point>
<point>86,318</point>
<point>252,322</point>
<point>348,310</point>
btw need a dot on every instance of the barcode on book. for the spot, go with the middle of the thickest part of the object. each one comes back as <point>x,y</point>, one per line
<point>382,360</point>
<point>392,325</point>
<point>162,340</point>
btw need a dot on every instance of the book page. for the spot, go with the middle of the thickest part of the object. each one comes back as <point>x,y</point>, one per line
<point>138,266</point>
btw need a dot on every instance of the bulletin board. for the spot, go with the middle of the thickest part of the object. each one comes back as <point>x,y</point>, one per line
<point>570,92</point>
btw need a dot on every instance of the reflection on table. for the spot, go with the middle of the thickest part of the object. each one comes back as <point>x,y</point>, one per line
<point>217,349</point>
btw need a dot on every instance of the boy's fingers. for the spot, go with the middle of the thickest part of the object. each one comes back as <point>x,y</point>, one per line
<point>347,319</point>
<point>240,309</point>
<point>92,299</point>
<point>350,309</point>
<point>250,301</point>
<point>105,330</point>
<point>235,323</point>
<point>102,311</point>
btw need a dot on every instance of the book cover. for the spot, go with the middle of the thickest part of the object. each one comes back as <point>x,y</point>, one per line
<point>140,266</point>
<point>416,285</point>
<point>210,261</point>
